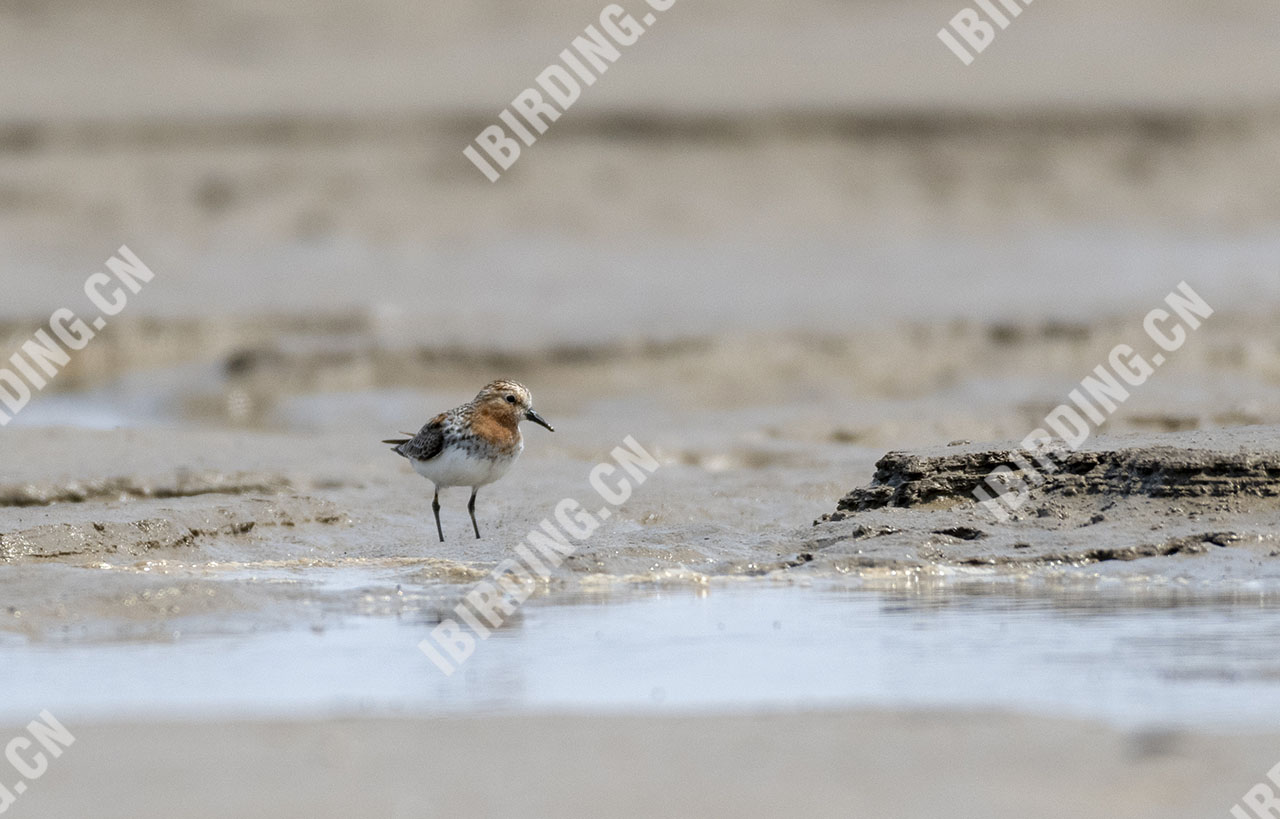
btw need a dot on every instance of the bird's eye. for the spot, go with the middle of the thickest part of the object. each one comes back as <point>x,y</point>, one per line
<point>511,399</point>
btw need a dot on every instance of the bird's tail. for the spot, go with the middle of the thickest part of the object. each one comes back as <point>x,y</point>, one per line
<point>396,443</point>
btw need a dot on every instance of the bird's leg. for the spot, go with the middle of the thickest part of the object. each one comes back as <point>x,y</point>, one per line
<point>471,507</point>
<point>435,507</point>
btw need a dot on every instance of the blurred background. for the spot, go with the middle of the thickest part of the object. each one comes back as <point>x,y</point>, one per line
<point>821,166</point>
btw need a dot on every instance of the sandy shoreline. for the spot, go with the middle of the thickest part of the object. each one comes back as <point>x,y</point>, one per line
<point>814,764</point>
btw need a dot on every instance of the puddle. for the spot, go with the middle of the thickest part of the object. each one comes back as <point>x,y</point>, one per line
<point>1208,665</point>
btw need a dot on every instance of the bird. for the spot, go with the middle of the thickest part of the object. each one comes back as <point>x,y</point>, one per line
<point>471,445</point>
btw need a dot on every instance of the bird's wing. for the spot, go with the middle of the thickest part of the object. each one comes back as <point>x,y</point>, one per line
<point>424,446</point>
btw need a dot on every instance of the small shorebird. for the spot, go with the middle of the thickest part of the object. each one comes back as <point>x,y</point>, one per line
<point>471,445</point>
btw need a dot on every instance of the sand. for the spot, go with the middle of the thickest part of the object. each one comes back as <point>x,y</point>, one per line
<point>813,764</point>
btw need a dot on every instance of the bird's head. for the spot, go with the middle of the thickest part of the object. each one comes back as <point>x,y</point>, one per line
<point>510,401</point>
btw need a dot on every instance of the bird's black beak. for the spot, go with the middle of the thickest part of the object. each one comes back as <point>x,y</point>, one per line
<point>538,419</point>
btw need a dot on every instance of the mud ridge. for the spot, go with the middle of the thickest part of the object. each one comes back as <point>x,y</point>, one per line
<point>297,129</point>
<point>182,485</point>
<point>908,480</point>
<point>1200,506</point>
<point>175,531</point>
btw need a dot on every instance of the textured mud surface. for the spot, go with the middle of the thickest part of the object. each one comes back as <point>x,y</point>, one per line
<point>912,261</point>
<point>253,490</point>
<point>349,531</point>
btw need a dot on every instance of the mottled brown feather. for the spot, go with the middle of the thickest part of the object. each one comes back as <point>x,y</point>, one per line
<point>427,444</point>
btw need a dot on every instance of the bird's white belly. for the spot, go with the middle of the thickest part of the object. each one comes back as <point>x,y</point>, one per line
<point>454,467</point>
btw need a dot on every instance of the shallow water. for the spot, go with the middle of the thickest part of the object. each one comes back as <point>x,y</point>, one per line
<point>716,649</point>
